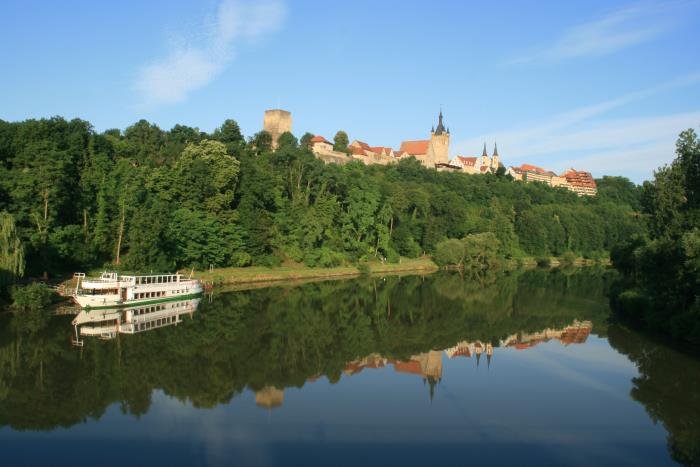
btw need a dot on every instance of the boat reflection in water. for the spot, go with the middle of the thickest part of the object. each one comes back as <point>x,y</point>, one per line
<point>107,323</point>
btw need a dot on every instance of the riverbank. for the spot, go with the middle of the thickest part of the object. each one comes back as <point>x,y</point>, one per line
<point>237,276</point>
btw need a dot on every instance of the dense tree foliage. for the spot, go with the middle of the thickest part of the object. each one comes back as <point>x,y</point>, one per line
<point>660,286</point>
<point>148,199</point>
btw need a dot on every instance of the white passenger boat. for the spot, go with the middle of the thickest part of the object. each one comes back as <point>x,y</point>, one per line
<point>112,290</point>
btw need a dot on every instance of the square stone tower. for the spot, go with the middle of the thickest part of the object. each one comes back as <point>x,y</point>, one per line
<point>276,122</point>
<point>439,144</point>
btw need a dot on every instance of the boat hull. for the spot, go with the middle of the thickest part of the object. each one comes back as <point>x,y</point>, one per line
<point>99,302</point>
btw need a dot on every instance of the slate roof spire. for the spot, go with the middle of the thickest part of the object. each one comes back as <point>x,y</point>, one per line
<point>484,154</point>
<point>440,128</point>
<point>495,149</point>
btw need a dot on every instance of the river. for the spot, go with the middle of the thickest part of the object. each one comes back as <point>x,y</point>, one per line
<point>522,368</point>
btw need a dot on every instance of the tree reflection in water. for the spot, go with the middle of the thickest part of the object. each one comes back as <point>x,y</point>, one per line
<point>668,386</point>
<point>274,338</point>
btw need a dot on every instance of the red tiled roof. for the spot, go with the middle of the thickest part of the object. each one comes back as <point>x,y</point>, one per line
<point>465,160</point>
<point>484,168</point>
<point>363,145</point>
<point>415,147</point>
<point>532,168</point>
<point>319,139</point>
<point>381,150</point>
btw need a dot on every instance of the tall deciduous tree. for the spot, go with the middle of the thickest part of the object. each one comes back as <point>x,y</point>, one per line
<point>341,141</point>
<point>11,251</point>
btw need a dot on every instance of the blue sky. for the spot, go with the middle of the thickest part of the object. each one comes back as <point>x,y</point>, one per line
<point>599,85</point>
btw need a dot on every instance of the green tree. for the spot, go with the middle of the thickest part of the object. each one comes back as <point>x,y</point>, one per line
<point>341,141</point>
<point>11,251</point>
<point>262,142</point>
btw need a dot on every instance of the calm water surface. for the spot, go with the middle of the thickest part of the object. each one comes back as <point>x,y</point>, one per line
<point>436,370</point>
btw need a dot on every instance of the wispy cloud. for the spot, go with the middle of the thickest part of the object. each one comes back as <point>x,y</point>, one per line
<point>611,33</point>
<point>584,138</point>
<point>196,61</point>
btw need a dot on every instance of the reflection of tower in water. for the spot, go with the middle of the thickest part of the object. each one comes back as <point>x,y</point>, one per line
<point>269,397</point>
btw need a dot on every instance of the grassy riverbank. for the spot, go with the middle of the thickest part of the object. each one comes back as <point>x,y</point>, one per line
<point>232,276</point>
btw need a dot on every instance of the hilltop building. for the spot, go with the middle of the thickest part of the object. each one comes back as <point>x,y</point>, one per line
<point>429,152</point>
<point>363,152</point>
<point>432,153</point>
<point>479,165</point>
<point>579,182</point>
<point>323,149</point>
<point>531,173</point>
<point>276,122</point>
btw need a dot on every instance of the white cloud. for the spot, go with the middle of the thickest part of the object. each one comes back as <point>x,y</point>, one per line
<point>617,30</point>
<point>197,61</point>
<point>584,139</point>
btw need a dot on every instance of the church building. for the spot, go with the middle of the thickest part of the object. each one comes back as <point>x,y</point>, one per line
<point>429,152</point>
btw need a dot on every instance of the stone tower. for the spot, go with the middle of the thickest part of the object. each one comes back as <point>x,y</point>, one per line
<point>276,122</point>
<point>439,152</point>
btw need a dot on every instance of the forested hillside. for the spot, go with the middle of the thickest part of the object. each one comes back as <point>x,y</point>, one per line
<point>660,284</point>
<point>147,199</point>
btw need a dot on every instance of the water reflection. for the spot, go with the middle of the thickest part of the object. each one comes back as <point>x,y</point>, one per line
<point>269,347</point>
<point>107,323</point>
<point>429,365</point>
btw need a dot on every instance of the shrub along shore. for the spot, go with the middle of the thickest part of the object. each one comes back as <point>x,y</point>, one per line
<point>422,265</point>
<point>247,275</point>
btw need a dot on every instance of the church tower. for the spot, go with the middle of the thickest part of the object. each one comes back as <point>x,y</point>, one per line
<point>485,158</point>
<point>495,160</point>
<point>439,144</point>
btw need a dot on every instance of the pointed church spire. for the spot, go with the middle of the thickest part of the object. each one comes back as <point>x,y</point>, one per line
<point>440,128</point>
<point>488,360</point>
<point>484,154</point>
<point>495,148</point>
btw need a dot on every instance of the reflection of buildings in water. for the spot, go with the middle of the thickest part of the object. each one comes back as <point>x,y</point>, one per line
<point>467,349</point>
<point>269,397</point>
<point>370,361</point>
<point>576,333</point>
<point>107,323</point>
<point>428,365</point>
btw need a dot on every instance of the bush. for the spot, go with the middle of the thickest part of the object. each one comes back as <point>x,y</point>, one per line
<point>568,258</point>
<point>240,259</point>
<point>33,297</point>
<point>449,252</point>
<point>392,256</point>
<point>364,269</point>
<point>270,261</point>
<point>323,257</point>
